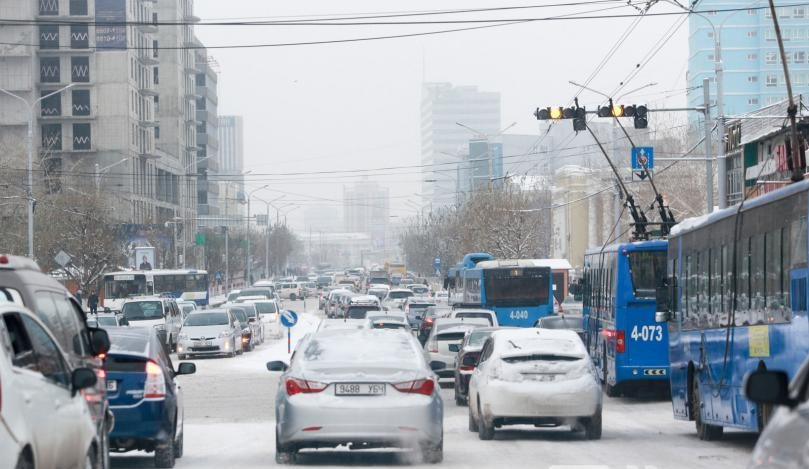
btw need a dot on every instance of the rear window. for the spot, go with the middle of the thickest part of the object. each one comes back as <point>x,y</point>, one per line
<point>450,336</point>
<point>360,312</point>
<point>540,357</point>
<point>266,308</point>
<point>398,295</point>
<point>256,292</point>
<point>486,316</point>
<point>476,339</point>
<point>126,364</point>
<point>143,310</point>
<point>420,306</point>
<point>106,321</point>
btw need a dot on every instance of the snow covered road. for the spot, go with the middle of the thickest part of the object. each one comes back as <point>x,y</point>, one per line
<point>230,423</point>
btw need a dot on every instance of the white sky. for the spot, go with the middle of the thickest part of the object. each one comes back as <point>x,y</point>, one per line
<point>356,105</point>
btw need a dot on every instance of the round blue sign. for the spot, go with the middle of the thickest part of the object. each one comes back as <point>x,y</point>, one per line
<point>289,318</point>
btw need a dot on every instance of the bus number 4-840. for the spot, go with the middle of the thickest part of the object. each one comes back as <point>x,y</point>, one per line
<point>647,333</point>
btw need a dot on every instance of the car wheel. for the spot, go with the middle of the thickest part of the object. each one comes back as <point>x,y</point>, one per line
<point>24,462</point>
<point>178,445</point>
<point>609,390</point>
<point>485,429</point>
<point>705,431</point>
<point>164,454</point>
<point>592,426</point>
<point>460,401</point>
<point>103,456</point>
<point>473,424</point>
<point>433,453</point>
<point>283,454</point>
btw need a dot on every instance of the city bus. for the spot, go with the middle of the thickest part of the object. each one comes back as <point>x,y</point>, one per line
<point>619,286</point>
<point>519,291</point>
<point>185,284</point>
<point>737,283</point>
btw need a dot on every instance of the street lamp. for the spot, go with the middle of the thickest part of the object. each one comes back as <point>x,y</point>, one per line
<point>267,235</point>
<point>30,142</point>
<point>227,229</point>
<point>250,194</point>
<point>183,200</point>
<point>99,172</point>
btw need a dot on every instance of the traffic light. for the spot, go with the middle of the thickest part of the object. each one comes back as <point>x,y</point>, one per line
<point>641,122</point>
<point>549,113</point>
<point>604,111</point>
<point>578,114</point>
<point>637,112</point>
<point>580,119</point>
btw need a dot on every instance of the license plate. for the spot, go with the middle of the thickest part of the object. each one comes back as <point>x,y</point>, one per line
<point>359,389</point>
<point>112,386</point>
<point>202,343</point>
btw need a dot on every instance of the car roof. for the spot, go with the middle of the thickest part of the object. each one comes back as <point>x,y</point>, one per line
<point>529,339</point>
<point>135,341</point>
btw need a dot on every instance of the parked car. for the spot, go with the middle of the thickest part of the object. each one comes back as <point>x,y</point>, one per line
<point>159,313</point>
<point>144,395</point>
<point>445,341</point>
<point>309,289</point>
<point>291,291</point>
<point>242,320</point>
<point>186,307</point>
<point>269,311</point>
<point>467,360</point>
<point>783,442</point>
<point>321,403</point>
<point>210,332</point>
<point>486,314</point>
<point>562,321</point>
<point>24,284</point>
<point>44,417</point>
<point>430,315</point>
<point>414,308</point>
<point>232,295</point>
<point>535,377</point>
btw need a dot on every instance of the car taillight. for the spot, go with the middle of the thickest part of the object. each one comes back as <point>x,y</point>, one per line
<point>467,368</point>
<point>419,386</point>
<point>298,386</point>
<point>428,321</point>
<point>155,387</point>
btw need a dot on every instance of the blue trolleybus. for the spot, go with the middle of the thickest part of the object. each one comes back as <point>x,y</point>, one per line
<point>619,286</point>
<point>518,290</point>
<point>738,283</point>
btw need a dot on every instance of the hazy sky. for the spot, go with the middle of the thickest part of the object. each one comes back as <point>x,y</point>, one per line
<point>356,105</point>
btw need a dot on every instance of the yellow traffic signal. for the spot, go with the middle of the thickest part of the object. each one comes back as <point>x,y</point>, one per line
<point>556,113</point>
<point>617,111</point>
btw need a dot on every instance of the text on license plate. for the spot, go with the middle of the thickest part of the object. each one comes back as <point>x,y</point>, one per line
<point>359,389</point>
<point>112,386</point>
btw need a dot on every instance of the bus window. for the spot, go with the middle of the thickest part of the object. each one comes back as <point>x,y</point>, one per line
<point>123,286</point>
<point>647,269</point>
<point>507,287</point>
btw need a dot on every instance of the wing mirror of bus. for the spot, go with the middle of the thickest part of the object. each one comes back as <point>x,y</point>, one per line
<point>768,387</point>
<point>662,316</point>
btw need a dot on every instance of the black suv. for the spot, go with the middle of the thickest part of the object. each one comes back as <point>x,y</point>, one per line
<point>22,282</point>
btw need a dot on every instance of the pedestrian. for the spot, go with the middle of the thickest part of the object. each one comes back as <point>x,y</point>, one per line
<point>78,297</point>
<point>92,302</point>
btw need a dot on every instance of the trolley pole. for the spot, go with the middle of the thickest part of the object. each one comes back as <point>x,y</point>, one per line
<point>706,93</point>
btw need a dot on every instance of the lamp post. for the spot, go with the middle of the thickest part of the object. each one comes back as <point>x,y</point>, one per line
<point>267,235</point>
<point>227,229</point>
<point>247,261</point>
<point>30,170</point>
<point>183,201</point>
<point>99,172</point>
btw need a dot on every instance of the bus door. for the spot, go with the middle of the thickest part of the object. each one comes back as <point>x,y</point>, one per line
<point>797,290</point>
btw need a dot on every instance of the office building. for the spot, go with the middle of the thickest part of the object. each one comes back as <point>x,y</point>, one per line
<point>366,209</point>
<point>753,73</point>
<point>231,159</point>
<point>444,143</point>
<point>208,164</point>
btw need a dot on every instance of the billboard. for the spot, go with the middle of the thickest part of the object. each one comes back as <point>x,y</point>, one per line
<point>110,25</point>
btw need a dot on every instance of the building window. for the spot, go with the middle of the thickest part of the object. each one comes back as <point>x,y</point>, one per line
<point>49,71</point>
<point>156,76</point>
<point>752,57</point>
<point>800,57</point>
<point>81,102</point>
<point>752,33</point>
<point>798,34</point>
<point>52,105</point>
<point>155,49</point>
<point>80,69</point>
<point>201,106</point>
<point>770,58</point>
<point>767,13</point>
<point>48,7</point>
<point>783,12</point>
<point>752,79</point>
<point>752,101</point>
<point>81,137</point>
<point>771,81</point>
<point>49,36</point>
<point>157,104</point>
<point>799,79</point>
<point>79,36</point>
<point>200,79</point>
<point>51,137</point>
<point>78,7</point>
<point>769,35</point>
<point>157,132</point>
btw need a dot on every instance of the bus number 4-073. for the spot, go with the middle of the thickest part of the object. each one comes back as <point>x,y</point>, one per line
<point>647,333</point>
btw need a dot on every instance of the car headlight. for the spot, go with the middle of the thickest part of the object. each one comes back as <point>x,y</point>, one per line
<point>224,334</point>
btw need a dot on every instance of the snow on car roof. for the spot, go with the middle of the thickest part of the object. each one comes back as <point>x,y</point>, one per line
<point>347,348</point>
<point>519,342</point>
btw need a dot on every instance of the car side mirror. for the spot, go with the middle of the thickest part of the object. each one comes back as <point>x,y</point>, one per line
<point>662,316</point>
<point>99,340</point>
<point>277,365</point>
<point>82,378</point>
<point>768,387</point>
<point>186,368</point>
<point>469,360</point>
<point>437,365</point>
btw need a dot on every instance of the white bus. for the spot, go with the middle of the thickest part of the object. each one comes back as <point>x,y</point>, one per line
<point>183,284</point>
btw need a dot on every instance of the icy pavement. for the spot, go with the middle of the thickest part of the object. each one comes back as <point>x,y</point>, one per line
<point>229,407</point>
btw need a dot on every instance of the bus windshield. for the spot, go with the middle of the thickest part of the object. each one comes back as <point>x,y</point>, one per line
<point>647,269</point>
<point>516,287</point>
<point>124,286</point>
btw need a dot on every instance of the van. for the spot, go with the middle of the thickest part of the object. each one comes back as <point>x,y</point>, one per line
<point>160,313</point>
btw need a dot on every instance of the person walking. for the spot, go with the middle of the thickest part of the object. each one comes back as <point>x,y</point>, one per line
<point>92,302</point>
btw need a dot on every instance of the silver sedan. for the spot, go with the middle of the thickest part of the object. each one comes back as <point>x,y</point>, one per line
<point>360,388</point>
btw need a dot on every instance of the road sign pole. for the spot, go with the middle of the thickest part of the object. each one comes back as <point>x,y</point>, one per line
<point>289,340</point>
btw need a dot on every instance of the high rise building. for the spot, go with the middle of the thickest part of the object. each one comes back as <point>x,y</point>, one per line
<point>208,164</point>
<point>366,209</point>
<point>231,158</point>
<point>753,73</point>
<point>444,142</point>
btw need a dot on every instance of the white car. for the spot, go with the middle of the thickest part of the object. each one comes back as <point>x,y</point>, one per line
<point>210,332</point>
<point>290,290</point>
<point>396,298</point>
<point>269,312</point>
<point>161,313</point>
<point>783,442</point>
<point>441,297</point>
<point>44,419</point>
<point>445,340</point>
<point>186,307</point>
<point>486,314</point>
<point>534,377</point>
<point>343,324</point>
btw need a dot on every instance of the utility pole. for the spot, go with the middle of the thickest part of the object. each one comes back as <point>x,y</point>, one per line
<point>721,158</point>
<point>792,109</point>
<point>227,252</point>
<point>706,94</point>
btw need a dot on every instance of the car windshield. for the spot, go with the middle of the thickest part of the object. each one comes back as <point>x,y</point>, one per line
<point>239,314</point>
<point>143,310</point>
<point>476,339</point>
<point>266,308</point>
<point>206,319</point>
<point>398,295</point>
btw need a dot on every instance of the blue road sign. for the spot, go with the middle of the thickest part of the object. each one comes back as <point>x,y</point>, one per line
<point>641,156</point>
<point>289,318</point>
